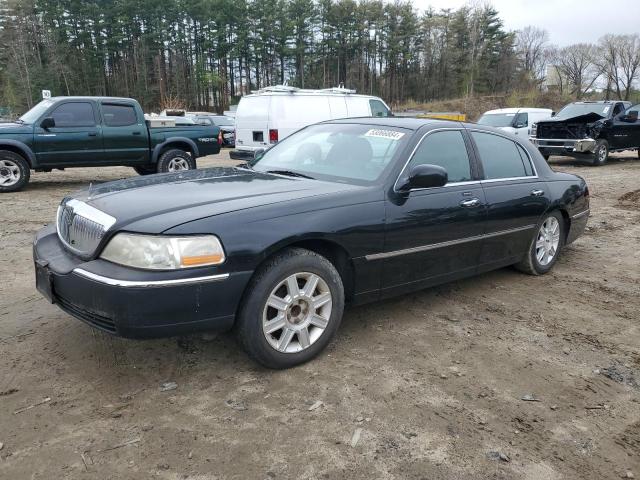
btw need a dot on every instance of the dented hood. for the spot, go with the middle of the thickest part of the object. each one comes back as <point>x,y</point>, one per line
<point>586,118</point>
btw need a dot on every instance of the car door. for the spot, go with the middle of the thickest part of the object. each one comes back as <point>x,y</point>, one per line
<point>434,234</point>
<point>124,134</point>
<point>516,198</point>
<point>521,124</point>
<point>626,128</point>
<point>76,138</point>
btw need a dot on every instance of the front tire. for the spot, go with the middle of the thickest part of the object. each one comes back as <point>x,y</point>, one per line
<point>14,171</point>
<point>292,310</point>
<point>545,246</point>
<point>601,153</point>
<point>175,160</point>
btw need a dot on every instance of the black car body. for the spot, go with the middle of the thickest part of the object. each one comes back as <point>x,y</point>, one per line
<point>224,123</point>
<point>382,238</point>
<point>589,130</point>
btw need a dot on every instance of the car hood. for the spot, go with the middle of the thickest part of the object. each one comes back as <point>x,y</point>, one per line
<point>13,127</point>
<point>155,203</point>
<point>588,118</point>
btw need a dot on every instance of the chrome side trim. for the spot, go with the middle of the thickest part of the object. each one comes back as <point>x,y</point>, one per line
<point>148,283</point>
<point>433,246</point>
<point>581,214</point>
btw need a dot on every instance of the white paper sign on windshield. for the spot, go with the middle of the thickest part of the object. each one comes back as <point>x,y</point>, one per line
<point>389,134</point>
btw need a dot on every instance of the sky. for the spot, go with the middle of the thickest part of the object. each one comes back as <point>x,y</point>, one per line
<point>567,21</point>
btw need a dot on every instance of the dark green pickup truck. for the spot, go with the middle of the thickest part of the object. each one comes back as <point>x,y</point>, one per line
<point>64,132</point>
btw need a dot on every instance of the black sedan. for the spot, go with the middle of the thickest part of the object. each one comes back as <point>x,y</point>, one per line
<point>347,211</point>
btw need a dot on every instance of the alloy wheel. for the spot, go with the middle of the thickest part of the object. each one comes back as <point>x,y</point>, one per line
<point>548,241</point>
<point>9,173</point>
<point>178,164</point>
<point>297,312</point>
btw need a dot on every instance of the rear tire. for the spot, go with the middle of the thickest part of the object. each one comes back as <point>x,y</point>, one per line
<point>292,309</point>
<point>601,153</point>
<point>145,170</point>
<point>175,160</point>
<point>545,246</point>
<point>14,171</point>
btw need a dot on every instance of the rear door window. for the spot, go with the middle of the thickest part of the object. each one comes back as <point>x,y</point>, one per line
<point>447,150</point>
<point>74,114</point>
<point>501,158</point>
<point>119,115</point>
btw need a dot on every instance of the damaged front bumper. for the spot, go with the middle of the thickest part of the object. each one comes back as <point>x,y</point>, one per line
<point>560,146</point>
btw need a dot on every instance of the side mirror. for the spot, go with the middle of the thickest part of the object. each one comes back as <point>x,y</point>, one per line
<point>553,114</point>
<point>520,125</point>
<point>425,176</point>
<point>48,123</point>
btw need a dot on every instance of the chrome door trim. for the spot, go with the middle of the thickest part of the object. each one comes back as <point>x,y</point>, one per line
<point>433,246</point>
<point>581,214</point>
<point>147,283</point>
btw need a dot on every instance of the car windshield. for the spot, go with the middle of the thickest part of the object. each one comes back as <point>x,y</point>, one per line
<point>578,109</point>
<point>36,112</point>
<point>348,153</point>
<point>497,119</point>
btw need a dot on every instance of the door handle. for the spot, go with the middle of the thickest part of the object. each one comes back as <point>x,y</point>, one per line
<point>537,193</point>
<point>93,134</point>
<point>136,133</point>
<point>474,202</point>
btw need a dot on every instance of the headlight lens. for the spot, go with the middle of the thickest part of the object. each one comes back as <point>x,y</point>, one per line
<point>162,252</point>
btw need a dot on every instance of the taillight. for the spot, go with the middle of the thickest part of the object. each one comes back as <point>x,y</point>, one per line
<point>220,137</point>
<point>273,136</point>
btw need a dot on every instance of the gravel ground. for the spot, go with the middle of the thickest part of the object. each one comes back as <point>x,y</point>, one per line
<point>425,386</point>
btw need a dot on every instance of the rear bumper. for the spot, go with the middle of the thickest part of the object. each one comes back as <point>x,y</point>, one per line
<point>245,155</point>
<point>124,302</point>
<point>560,146</point>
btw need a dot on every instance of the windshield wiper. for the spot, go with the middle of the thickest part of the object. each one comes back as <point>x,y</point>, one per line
<point>290,173</point>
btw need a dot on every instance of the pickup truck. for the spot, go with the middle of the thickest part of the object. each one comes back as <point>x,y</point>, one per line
<point>589,130</point>
<point>64,132</point>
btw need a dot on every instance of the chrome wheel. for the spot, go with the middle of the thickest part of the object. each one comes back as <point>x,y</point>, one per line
<point>297,312</point>
<point>9,173</point>
<point>602,154</point>
<point>548,241</point>
<point>178,164</point>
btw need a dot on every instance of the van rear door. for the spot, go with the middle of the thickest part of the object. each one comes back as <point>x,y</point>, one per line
<point>252,122</point>
<point>338,107</point>
<point>290,113</point>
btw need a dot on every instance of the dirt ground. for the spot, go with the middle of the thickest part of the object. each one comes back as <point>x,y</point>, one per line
<point>432,383</point>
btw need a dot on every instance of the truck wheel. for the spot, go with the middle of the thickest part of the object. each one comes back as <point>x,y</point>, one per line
<point>145,170</point>
<point>14,171</point>
<point>601,153</point>
<point>175,160</point>
<point>292,310</point>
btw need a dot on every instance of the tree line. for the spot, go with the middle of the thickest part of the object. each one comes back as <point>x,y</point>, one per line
<point>205,54</point>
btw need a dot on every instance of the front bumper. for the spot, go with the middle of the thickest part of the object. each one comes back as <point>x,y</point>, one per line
<point>560,146</point>
<point>133,303</point>
<point>244,155</point>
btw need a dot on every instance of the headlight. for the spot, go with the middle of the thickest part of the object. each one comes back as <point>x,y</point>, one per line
<point>163,252</point>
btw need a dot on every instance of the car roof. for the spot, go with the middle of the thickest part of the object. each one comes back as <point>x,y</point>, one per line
<point>400,122</point>
<point>108,99</point>
<point>517,110</point>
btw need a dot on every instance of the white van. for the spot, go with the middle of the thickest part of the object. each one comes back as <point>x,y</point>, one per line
<point>515,120</point>
<point>269,115</point>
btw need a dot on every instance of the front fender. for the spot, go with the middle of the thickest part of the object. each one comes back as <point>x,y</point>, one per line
<point>24,150</point>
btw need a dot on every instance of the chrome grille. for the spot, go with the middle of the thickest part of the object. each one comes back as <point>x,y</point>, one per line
<point>81,227</point>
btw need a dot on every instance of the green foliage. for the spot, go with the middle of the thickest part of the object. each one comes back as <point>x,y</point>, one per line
<point>207,53</point>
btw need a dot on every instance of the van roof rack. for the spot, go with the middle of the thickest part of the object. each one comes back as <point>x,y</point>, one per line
<point>288,89</point>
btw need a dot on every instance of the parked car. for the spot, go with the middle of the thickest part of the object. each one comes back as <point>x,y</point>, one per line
<point>350,210</point>
<point>64,132</point>
<point>589,130</point>
<point>272,114</point>
<point>515,120</point>
<point>226,124</point>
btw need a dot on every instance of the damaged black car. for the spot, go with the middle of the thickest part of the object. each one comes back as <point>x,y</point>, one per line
<point>589,130</point>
